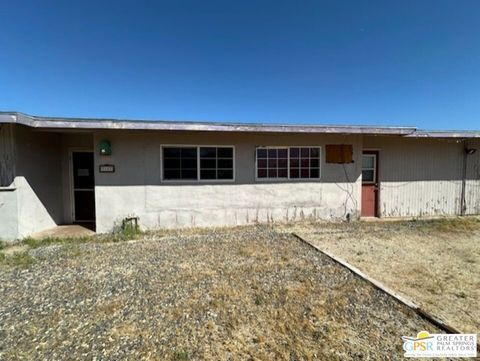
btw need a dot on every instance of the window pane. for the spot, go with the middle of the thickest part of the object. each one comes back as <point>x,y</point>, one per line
<point>367,175</point>
<point>282,172</point>
<point>171,163</point>
<point>189,174</point>
<point>314,173</point>
<point>189,152</point>
<point>277,158</point>
<point>208,152</point>
<point>272,153</point>
<point>282,153</point>
<point>225,163</point>
<point>171,174</point>
<point>305,173</point>
<point>179,163</point>
<point>189,163</point>
<point>294,152</point>
<point>294,173</point>
<point>305,162</point>
<point>208,174</point>
<point>171,152</point>
<point>314,163</point>
<point>294,163</point>
<point>262,173</point>
<point>261,153</point>
<point>213,160</point>
<point>208,163</point>
<point>305,152</point>
<point>225,152</point>
<point>225,174</point>
<point>314,152</point>
<point>262,163</point>
<point>367,161</point>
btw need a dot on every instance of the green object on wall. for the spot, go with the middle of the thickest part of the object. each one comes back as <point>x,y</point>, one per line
<point>105,147</point>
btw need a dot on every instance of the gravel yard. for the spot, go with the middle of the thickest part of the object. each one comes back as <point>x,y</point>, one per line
<point>247,293</point>
<point>435,263</point>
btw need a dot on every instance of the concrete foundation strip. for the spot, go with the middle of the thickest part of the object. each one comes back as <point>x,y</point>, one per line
<point>424,314</point>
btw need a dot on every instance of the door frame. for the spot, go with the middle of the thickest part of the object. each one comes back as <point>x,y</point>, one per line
<point>71,181</point>
<point>376,152</point>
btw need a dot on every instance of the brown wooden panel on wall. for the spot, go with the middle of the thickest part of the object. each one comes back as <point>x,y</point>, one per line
<point>339,153</point>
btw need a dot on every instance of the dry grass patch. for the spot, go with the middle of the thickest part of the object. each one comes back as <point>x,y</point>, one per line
<point>246,293</point>
<point>436,263</point>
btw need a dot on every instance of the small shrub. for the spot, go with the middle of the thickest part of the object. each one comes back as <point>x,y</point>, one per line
<point>180,355</point>
<point>317,335</point>
<point>128,230</point>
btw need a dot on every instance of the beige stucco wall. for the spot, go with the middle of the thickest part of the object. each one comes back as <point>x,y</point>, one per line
<point>8,196</point>
<point>418,177</point>
<point>39,196</point>
<point>136,187</point>
<point>423,177</point>
<point>38,180</point>
<point>8,214</point>
<point>32,201</point>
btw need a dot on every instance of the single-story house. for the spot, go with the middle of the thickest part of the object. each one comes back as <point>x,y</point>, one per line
<point>182,174</point>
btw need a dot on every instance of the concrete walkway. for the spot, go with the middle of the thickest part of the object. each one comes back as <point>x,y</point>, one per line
<point>70,231</point>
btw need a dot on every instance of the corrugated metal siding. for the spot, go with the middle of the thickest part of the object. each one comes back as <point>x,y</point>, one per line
<point>472,184</point>
<point>418,177</point>
<point>7,155</point>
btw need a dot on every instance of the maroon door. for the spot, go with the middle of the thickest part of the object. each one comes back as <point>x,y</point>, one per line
<point>369,183</point>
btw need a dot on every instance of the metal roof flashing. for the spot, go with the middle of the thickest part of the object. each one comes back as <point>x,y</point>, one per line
<point>92,123</point>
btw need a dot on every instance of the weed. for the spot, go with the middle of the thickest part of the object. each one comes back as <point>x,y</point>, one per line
<point>259,299</point>
<point>18,259</point>
<point>180,355</point>
<point>36,243</point>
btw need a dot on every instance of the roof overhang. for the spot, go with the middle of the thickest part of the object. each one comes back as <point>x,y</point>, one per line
<point>121,124</point>
<point>39,122</point>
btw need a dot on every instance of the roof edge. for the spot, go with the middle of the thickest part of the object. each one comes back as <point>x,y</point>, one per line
<point>168,125</point>
<point>92,123</point>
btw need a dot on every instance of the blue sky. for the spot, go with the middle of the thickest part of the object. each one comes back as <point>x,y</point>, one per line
<point>326,62</point>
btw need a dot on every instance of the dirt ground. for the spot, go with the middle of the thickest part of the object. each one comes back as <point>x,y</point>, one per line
<point>435,263</point>
<point>247,293</point>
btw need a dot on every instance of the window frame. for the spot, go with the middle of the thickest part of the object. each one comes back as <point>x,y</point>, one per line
<point>198,180</point>
<point>288,178</point>
<point>374,168</point>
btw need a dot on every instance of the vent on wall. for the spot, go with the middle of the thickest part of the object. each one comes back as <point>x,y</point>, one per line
<point>339,153</point>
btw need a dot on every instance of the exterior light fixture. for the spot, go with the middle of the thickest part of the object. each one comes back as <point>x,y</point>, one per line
<point>105,147</point>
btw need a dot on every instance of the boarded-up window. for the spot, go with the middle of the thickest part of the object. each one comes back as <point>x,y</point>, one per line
<point>339,153</point>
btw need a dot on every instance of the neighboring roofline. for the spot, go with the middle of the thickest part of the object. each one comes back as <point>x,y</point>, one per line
<point>92,123</point>
<point>460,134</point>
